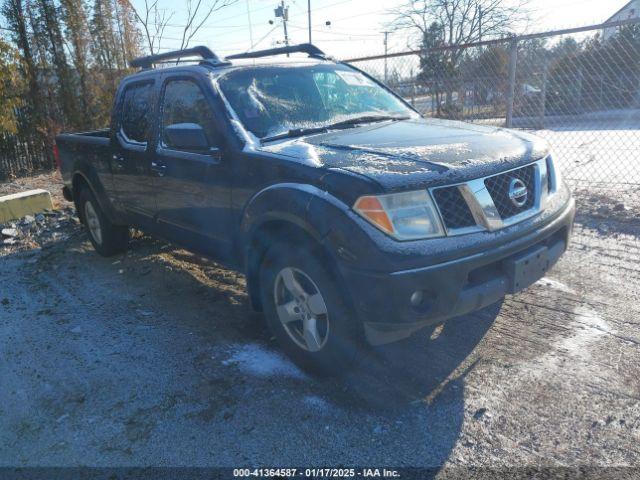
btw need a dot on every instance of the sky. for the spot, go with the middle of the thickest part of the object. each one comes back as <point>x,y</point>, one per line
<point>356,28</point>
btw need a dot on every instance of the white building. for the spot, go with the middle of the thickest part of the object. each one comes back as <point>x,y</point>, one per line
<point>630,11</point>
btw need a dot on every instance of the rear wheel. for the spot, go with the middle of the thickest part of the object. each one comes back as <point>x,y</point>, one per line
<point>106,237</point>
<point>307,312</point>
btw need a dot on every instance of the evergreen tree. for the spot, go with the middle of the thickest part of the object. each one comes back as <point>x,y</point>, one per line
<point>14,14</point>
<point>130,35</point>
<point>11,88</point>
<point>436,68</point>
<point>74,15</point>
<point>50,37</point>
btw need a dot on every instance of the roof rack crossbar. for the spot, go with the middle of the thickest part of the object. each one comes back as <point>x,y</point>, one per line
<point>205,53</point>
<point>308,48</point>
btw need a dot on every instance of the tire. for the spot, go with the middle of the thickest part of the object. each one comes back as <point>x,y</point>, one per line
<point>338,333</point>
<point>107,239</point>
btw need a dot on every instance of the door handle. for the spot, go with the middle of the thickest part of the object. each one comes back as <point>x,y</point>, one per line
<point>119,159</point>
<point>158,168</point>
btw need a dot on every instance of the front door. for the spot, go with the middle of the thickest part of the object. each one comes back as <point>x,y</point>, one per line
<point>192,185</point>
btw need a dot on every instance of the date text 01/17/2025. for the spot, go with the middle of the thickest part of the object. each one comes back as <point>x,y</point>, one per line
<point>316,472</point>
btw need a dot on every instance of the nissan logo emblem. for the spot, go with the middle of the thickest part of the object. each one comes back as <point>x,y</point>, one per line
<point>518,192</point>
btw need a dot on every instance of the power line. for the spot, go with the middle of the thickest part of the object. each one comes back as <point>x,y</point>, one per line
<point>369,35</point>
<point>259,41</point>
<point>229,28</point>
<point>176,25</point>
<point>242,14</point>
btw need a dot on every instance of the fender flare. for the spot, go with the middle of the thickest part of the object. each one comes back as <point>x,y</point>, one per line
<point>90,177</point>
<point>287,202</point>
<point>321,215</point>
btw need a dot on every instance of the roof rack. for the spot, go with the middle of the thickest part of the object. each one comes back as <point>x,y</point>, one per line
<point>203,52</point>
<point>312,50</point>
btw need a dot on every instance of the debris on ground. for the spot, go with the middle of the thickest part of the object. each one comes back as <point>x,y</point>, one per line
<point>43,229</point>
<point>39,231</point>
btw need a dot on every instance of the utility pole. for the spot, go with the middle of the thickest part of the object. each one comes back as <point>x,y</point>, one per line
<point>282,11</point>
<point>386,50</point>
<point>511,92</point>
<point>479,23</point>
<point>250,26</point>
<point>309,17</point>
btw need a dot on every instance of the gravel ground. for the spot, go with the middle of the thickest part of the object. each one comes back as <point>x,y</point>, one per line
<point>154,358</point>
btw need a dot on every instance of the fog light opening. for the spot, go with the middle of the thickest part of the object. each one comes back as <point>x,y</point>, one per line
<point>417,298</point>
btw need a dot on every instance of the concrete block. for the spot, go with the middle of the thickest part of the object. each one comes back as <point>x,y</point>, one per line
<point>13,207</point>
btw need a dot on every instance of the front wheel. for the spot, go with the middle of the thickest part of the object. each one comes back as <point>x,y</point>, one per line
<point>307,312</point>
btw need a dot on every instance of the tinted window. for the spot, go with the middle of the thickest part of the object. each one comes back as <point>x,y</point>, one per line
<point>184,102</point>
<point>136,111</point>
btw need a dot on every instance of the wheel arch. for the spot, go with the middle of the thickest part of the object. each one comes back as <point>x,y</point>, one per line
<point>86,179</point>
<point>271,232</point>
<point>293,213</point>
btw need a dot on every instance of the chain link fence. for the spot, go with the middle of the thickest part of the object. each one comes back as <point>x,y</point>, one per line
<point>578,88</point>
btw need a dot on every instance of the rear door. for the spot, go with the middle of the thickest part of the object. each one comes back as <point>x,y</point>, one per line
<point>193,193</point>
<point>130,159</point>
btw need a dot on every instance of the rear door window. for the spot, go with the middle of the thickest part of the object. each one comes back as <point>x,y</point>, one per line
<point>136,112</point>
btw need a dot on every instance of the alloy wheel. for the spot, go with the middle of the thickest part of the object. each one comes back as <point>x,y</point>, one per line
<point>93,222</point>
<point>301,309</point>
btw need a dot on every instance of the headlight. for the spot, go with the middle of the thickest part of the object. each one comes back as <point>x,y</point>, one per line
<point>405,216</point>
<point>555,176</point>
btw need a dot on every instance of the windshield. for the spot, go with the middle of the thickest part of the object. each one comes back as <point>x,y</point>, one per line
<point>273,100</point>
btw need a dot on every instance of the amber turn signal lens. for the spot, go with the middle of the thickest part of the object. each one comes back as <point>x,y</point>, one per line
<point>403,215</point>
<point>372,210</point>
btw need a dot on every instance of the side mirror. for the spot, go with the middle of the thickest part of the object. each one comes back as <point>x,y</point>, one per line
<point>186,136</point>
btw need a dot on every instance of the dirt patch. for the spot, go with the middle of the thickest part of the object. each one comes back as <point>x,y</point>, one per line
<point>153,357</point>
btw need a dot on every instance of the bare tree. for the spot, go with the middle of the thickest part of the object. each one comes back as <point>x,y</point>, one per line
<point>197,16</point>
<point>154,20</point>
<point>461,21</point>
<point>451,23</point>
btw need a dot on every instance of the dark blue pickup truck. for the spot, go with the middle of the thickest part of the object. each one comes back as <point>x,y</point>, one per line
<point>351,215</point>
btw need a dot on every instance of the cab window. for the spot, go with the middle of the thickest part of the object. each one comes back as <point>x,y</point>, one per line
<point>136,112</point>
<point>185,103</point>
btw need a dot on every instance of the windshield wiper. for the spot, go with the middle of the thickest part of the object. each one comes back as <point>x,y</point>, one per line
<point>365,119</point>
<point>294,132</point>
<point>299,132</point>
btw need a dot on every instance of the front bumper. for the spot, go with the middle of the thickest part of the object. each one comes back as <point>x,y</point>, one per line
<point>451,288</point>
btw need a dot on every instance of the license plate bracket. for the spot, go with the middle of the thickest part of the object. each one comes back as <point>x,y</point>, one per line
<point>527,268</point>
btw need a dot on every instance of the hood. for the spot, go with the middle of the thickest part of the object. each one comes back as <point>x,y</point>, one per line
<point>416,153</point>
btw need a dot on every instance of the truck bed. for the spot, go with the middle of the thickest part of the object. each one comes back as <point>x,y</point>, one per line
<point>92,147</point>
<point>93,136</point>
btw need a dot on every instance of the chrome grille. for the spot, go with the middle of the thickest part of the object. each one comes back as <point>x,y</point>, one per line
<point>454,210</point>
<point>486,204</point>
<point>499,185</point>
